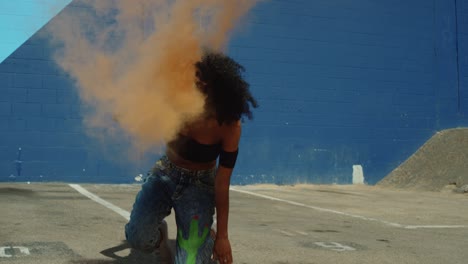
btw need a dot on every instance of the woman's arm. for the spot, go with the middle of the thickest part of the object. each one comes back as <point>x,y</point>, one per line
<point>222,249</point>
<point>223,178</point>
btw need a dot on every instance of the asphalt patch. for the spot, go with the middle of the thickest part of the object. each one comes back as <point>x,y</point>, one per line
<point>32,250</point>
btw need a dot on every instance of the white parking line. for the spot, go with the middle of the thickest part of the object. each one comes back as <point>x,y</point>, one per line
<point>348,214</point>
<point>434,226</point>
<point>285,232</point>
<point>301,233</point>
<point>126,214</point>
<point>101,201</point>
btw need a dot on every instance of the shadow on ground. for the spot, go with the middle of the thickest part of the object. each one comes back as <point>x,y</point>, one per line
<point>134,257</point>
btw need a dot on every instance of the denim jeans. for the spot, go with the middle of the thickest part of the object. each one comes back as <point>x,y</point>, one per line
<point>191,194</point>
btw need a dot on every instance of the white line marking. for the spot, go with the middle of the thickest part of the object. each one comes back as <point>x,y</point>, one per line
<point>318,208</point>
<point>101,201</point>
<point>3,253</point>
<point>285,233</point>
<point>434,226</point>
<point>126,214</point>
<point>23,250</point>
<point>347,214</point>
<point>301,233</point>
<point>335,246</point>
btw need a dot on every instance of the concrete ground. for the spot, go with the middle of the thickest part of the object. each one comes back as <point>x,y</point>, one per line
<point>61,223</point>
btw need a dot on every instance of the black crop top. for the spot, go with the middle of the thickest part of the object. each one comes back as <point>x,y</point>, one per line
<point>192,150</point>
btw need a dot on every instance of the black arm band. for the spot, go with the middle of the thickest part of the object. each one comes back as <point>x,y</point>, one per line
<point>228,159</point>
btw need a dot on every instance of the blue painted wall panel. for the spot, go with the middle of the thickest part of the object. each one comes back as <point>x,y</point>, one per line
<point>27,81</point>
<point>339,83</point>
<point>462,27</point>
<point>42,96</point>
<point>6,80</point>
<point>5,108</point>
<point>30,51</point>
<point>56,110</point>
<point>394,68</point>
<point>20,139</point>
<point>13,95</point>
<point>22,110</point>
<point>9,124</point>
<point>40,124</point>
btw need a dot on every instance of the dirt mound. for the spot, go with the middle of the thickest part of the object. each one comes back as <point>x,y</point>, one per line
<point>441,161</point>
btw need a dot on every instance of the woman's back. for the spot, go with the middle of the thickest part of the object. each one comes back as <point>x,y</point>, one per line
<point>199,143</point>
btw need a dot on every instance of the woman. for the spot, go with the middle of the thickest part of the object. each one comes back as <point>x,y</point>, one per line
<point>194,175</point>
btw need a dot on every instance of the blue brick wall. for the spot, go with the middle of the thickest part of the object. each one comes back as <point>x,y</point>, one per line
<point>462,28</point>
<point>339,82</point>
<point>343,83</point>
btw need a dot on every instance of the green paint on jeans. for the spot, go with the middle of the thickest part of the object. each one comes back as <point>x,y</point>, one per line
<point>193,243</point>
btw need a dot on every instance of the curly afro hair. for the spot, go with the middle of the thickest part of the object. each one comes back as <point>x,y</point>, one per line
<point>220,79</point>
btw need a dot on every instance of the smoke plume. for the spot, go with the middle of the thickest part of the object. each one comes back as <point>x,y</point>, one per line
<point>133,60</point>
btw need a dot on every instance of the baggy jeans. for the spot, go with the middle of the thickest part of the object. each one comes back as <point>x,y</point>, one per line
<point>191,194</point>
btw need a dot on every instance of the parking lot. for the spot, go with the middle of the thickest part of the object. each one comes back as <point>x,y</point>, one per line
<point>67,223</point>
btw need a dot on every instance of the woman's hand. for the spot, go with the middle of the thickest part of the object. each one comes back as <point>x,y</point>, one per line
<point>222,251</point>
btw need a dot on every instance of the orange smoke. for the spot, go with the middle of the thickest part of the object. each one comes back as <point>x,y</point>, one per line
<point>133,61</point>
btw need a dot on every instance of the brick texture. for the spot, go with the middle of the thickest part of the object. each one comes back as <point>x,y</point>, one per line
<point>339,83</point>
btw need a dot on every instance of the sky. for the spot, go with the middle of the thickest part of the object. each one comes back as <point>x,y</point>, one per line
<point>20,19</point>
